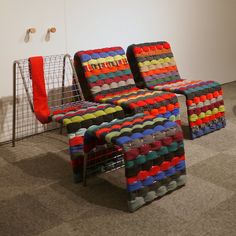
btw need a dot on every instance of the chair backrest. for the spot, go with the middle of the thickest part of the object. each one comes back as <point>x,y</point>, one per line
<point>61,82</point>
<point>152,64</point>
<point>61,88</point>
<point>103,71</point>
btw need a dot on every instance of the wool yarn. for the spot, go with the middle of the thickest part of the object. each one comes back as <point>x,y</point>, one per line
<point>154,67</point>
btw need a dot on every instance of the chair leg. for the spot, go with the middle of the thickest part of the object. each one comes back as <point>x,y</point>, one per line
<point>189,127</point>
<point>85,169</point>
<point>61,128</point>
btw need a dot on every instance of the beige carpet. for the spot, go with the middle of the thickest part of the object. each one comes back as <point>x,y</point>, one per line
<point>38,196</point>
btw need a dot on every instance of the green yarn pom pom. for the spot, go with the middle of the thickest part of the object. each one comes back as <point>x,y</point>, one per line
<point>215,110</point>
<point>221,108</point>
<point>202,115</point>
<point>111,135</point>
<point>67,121</point>
<point>118,108</point>
<point>99,113</point>
<point>209,113</point>
<point>89,116</point>
<point>110,110</point>
<point>77,119</point>
<point>193,117</point>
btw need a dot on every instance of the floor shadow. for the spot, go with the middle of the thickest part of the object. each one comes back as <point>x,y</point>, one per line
<point>186,132</point>
<point>234,110</point>
<point>49,165</point>
<point>5,118</point>
<point>98,190</point>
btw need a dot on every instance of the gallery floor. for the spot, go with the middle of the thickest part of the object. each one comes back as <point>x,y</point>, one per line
<point>38,196</point>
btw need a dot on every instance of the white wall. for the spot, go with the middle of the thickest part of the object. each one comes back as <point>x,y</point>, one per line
<point>15,18</point>
<point>202,33</point>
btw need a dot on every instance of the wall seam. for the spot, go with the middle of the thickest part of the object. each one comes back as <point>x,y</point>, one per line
<point>65,26</point>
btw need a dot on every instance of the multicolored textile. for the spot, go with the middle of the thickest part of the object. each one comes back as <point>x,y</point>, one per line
<point>154,67</point>
<point>153,153</point>
<point>77,117</point>
<point>151,146</point>
<point>105,77</point>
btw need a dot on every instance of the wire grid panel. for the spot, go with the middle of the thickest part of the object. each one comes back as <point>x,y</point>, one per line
<point>58,71</point>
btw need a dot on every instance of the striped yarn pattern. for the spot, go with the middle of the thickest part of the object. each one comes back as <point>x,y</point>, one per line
<point>77,118</point>
<point>153,153</point>
<point>154,67</point>
<point>105,77</point>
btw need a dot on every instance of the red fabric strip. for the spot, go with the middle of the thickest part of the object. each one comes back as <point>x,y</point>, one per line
<point>40,98</point>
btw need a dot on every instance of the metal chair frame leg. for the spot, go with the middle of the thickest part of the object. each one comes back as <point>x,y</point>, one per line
<point>85,169</point>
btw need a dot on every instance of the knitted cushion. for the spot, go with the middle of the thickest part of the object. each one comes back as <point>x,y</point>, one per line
<point>154,157</point>
<point>105,77</point>
<point>106,71</point>
<point>153,66</point>
<point>77,117</point>
<point>84,111</point>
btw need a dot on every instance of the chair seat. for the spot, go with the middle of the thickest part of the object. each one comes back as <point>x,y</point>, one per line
<point>77,117</point>
<point>159,103</point>
<point>105,77</point>
<point>81,111</point>
<point>190,88</point>
<point>154,67</point>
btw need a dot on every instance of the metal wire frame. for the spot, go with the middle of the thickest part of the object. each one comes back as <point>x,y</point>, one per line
<point>116,160</point>
<point>62,87</point>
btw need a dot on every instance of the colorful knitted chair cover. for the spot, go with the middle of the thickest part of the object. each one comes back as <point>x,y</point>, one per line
<point>152,146</point>
<point>77,119</point>
<point>154,67</point>
<point>153,153</point>
<point>105,77</point>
